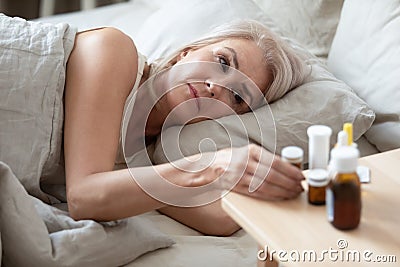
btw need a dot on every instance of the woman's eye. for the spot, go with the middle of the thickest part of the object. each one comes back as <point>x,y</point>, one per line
<point>238,98</point>
<point>224,63</point>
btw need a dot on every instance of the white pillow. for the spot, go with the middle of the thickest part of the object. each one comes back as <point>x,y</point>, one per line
<point>321,100</point>
<point>127,16</point>
<point>177,23</point>
<point>365,54</point>
<point>312,22</point>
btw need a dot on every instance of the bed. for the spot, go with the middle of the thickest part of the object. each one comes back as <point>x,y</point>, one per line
<point>158,26</point>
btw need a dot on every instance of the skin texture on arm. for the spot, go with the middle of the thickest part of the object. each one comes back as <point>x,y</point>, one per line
<point>210,219</point>
<point>100,73</point>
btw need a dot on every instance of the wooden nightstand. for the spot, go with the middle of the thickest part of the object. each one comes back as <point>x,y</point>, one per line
<point>295,226</point>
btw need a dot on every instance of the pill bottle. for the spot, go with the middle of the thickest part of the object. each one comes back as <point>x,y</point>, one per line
<point>293,155</point>
<point>343,193</point>
<point>318,146</point>
<point>317,180</point>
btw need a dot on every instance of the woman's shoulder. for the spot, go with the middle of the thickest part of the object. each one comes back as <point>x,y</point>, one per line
<point>106,52</point>
<point>107,40</point>
<point>106,34</point>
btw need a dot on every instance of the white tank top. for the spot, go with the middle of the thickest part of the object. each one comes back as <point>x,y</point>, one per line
<point>120,159</point>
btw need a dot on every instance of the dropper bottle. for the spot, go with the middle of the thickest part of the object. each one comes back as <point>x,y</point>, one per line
<point>342,140</point>
<point>348,128</point>
<point>343,194</point>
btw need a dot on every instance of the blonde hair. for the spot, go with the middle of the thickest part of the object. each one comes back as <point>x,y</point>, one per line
<point>286,67</point>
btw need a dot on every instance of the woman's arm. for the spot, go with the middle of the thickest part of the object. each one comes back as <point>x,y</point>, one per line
<point>210,219</point>
<point>101,71</point>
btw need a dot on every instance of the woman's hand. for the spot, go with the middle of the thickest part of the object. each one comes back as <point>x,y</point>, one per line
<point>251,170</point>
<point>268,177</point>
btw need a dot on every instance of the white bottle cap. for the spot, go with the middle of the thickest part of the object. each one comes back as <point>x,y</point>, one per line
<point>342,139</point>
<point>345,159</point>
<point>292,152</point>
<point>317,177</point>
<point>318,146</point>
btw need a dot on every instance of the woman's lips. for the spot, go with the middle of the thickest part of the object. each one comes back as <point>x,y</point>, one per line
<point>194,94</point>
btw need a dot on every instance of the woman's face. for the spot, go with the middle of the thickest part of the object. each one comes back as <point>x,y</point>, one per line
<point>216,80</point>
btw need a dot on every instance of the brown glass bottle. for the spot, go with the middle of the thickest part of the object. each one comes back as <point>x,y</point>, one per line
<point>317,180</point>
<point>343,194</point>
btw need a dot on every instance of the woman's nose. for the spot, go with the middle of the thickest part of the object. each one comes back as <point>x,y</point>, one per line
<point>214,89</point>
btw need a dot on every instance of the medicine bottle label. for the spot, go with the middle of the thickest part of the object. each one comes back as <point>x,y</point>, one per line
<point>329,204</point>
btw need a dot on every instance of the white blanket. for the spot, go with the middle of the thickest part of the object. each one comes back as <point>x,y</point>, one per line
<point>33,59</point>
<point>36,234</point>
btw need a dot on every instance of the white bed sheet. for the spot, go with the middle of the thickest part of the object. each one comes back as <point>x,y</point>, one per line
<point>197,250</point>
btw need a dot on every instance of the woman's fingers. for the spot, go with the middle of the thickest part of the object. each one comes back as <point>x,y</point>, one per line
<point>287,169</point>
<point>262,162</point>
<point>267,191</point>
<point>254,171</point>
<point>265,157</point>
<point>268,177</point>
<point>273,176</point>
<point>277,192</point>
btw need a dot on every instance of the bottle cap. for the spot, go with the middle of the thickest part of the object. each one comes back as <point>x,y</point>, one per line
<point>317,177</point>
<point>342,139</point>
<point>345,159</point>
<point>348,128</point>
<point>319,130</point>
<point>318,146</point>
<point>292,152</point>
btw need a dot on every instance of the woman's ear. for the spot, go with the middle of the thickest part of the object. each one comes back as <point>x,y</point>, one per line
<point>183,54</point>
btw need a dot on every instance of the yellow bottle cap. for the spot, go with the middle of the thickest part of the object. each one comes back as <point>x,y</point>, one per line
<point>348,128</point>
